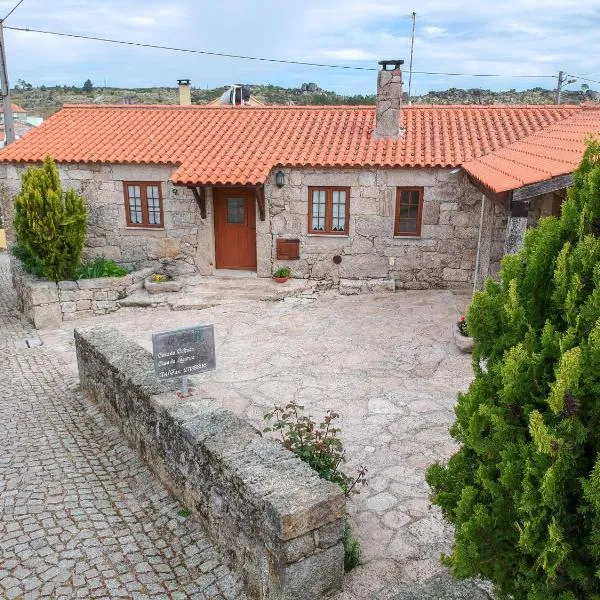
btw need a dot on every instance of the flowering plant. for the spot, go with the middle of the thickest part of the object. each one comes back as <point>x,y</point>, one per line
<point>462,326</point>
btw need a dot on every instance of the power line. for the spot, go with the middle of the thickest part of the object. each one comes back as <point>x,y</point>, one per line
<point>478,74</point>
<point>189,50</point>
<point>584,78</point>
<point>263,59</point>
<point>13,9</point>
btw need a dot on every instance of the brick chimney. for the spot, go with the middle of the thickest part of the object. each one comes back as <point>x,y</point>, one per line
<point>389,100</point>
<point>185,94</point>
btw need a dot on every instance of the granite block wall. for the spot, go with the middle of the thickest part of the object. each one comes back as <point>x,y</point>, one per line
<point>442,256</point>
<point>48,303</point>
<point>271,516</point>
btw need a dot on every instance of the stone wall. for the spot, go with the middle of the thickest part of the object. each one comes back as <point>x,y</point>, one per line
<point>47,303</point>
<point>272,517</point>
<point>443,256</point>
<point>175,247</point>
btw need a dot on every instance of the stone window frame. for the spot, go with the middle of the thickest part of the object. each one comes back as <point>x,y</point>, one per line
<point>328,189</point>
<point>417,232</point>
<point>145,224</point>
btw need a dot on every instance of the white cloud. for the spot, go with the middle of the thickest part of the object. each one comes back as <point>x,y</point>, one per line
<point>350,54</point>
<point>434,31</point>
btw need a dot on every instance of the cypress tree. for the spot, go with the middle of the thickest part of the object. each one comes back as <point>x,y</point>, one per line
<point>50,226</point>
<point>523,491</point>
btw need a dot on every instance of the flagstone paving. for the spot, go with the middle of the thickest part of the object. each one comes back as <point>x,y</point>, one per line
<point>387,363</point>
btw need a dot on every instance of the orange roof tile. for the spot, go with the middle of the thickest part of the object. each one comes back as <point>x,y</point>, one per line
<point>552,151</point>
<point>241,145</point>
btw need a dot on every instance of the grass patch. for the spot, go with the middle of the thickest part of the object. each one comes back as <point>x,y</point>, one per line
<point>352,552</point>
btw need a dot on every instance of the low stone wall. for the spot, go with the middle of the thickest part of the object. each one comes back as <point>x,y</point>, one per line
<point>271,516</point>
<point>48,303</point>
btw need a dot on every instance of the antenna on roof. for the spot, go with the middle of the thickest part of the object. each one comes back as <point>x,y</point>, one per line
<point>412,47</point>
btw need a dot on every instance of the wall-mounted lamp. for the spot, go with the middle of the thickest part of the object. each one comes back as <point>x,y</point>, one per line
<point>279,179</point>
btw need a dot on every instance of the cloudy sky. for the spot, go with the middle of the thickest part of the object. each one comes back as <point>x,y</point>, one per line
<point>510,38</point>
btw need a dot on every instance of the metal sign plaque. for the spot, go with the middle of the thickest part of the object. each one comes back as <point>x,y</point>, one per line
<point>184,352</point>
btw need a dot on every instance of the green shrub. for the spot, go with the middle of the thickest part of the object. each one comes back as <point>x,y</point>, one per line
<point>100,267</point>
<point>319,445</point>
<point>29,262</point>
<point>523,491</point>
<point>50,225</point>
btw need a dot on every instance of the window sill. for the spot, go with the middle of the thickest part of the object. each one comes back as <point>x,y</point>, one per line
<point>407,237</point>
<point>145,228</point>
<point>328,235</point>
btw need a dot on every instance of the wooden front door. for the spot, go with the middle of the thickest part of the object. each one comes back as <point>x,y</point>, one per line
<point>235,228</point>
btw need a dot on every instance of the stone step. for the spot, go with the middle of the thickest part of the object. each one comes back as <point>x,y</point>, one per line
<point>203,292</point>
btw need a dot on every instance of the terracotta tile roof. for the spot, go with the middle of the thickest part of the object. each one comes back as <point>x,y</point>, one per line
<point>242,145</point>
<point>552,151</point>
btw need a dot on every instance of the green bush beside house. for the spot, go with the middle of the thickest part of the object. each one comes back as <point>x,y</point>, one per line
<point>51,227</point>
<point>523,491</point>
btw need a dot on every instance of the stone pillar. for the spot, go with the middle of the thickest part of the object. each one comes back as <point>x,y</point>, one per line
<point>486,225</point>
<point>517,226</point>
<point>389,100</point>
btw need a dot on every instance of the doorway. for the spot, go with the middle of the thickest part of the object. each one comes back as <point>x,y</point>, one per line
<point>235,228</point>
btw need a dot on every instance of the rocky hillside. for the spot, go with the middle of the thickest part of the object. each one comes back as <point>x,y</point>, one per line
<point>44,101</point>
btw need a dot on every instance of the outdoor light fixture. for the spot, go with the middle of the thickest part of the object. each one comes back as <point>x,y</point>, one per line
<point>457,170</point>
<point>279,178</point>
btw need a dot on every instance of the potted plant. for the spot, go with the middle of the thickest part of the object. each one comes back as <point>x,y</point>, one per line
<point>282,274</point>
<point>461,335</point>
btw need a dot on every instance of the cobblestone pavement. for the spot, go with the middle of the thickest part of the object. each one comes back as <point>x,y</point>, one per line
<point>80,514</point>
<point>388,364</point>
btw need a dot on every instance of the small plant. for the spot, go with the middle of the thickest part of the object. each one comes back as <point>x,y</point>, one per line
<point>183,512</point>
<point>352,552</point>
<point>319,445</point>
<point>100,267</point>
<point>159,278</point>
<point>282,273</point>
<point>462,326</point>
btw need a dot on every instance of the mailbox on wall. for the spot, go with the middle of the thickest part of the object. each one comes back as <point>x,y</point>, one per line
<point>288,249</point>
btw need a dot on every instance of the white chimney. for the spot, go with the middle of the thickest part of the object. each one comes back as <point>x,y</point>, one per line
<point>185,94</point>
<point>389,100</point>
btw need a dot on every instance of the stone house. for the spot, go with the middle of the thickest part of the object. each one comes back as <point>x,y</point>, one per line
<point>413,196</point>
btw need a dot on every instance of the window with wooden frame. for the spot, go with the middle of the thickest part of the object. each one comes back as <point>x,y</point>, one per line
<point>143,204</point>
<point>328,210</point>
<point>409,208</point>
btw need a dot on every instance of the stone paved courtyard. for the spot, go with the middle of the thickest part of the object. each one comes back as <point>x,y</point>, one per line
<point>386,363</point>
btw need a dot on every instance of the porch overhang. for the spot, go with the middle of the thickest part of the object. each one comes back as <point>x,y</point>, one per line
<point>517,200</point>
<point>199,192</point>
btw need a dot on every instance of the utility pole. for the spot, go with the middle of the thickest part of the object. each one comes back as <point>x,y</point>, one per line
<point>561,80</point>
<point>412,47</point>
<point>9,128</point>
